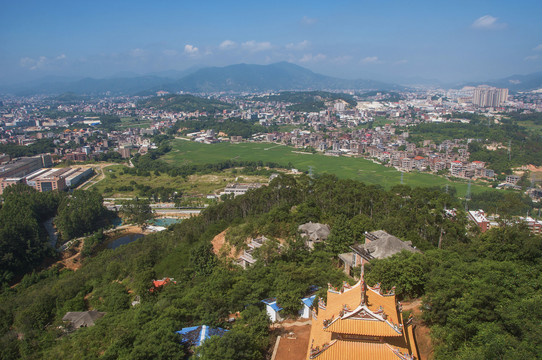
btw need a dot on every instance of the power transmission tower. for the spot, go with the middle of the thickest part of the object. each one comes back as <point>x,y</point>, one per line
<point>467,197</point>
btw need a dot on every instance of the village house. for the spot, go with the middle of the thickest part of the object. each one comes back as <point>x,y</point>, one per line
<point>378,245</point>
<point>314,233</point>
<point>79,319</point>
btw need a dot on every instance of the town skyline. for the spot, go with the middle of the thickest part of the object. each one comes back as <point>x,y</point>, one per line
<point>390,42</point>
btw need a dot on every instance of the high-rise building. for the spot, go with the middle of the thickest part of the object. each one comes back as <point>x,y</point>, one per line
<point>487,96</point>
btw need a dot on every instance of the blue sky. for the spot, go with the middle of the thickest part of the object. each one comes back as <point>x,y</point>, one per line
<point>381,39</point>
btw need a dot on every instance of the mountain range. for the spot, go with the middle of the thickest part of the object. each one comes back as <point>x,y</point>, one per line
<point>518,82</point>
<point>239,78</point>
<point>234,78</point>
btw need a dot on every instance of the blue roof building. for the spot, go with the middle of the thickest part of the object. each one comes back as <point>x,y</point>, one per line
<point>307,304</point>
<point>273,308</point>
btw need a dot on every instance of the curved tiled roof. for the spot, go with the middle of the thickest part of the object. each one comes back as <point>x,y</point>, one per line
<point>362,327</point>
<point>360,351</point>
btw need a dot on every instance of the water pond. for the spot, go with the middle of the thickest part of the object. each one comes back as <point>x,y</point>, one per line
<point>126,239</point>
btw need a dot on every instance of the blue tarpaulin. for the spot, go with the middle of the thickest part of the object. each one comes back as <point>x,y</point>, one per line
<point>196,335</point>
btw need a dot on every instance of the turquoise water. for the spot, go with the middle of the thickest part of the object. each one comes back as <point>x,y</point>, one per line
<point>126,239</point>
<point>165,222</point>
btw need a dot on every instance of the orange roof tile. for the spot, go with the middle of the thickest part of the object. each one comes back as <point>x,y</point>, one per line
<point>358,351</point>
<point>362,327</point>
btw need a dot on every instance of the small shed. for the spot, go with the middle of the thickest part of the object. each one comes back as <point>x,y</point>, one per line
<point>305,311</point>
<point>273,309</point>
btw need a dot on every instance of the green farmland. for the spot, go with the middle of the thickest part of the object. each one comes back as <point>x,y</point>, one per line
<point>185,152</point>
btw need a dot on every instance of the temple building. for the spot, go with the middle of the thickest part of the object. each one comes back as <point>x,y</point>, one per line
<point>360,322</point>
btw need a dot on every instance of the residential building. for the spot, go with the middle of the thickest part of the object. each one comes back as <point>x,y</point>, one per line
<point>479,218</point>
<point>240,189</point>
<point>486,96</point>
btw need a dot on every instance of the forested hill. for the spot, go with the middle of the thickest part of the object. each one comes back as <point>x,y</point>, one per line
<point>308,100</point>
<point>482,291</point>
<point>186,103</point>
<point>255,78</point>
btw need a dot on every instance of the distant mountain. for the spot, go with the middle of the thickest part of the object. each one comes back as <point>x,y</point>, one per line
<point>518,82</point>
<point>233,78</point>
<point>126,85</point>
<point>254,78</point>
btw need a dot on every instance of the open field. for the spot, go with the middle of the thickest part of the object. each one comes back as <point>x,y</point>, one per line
<point>130,122</point>
<point>194,185</point>
<point>531,125</point>
<point>185,152</point>
<point>378,121</point>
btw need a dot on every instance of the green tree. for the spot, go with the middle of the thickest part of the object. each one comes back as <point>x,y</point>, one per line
<point>234,345</point>
<point>137,211</point>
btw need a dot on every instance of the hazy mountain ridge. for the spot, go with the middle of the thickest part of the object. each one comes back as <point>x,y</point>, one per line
<point>233,78</point>
<point>278,76</point>
<point>517,82</point>
<point>236,78</point>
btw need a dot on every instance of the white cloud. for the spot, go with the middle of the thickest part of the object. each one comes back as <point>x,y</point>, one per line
<point>311,58</point>
<point>305,20</point>
<point>40,62</point>
<point>299,46</point>
<point>538,48</point>
<point>488,22</point>
<point>531,57</point>
<point>227,44</point>
<point>61,57</point>
<point>254,46</point>
<point>370,60</point>
<point>191,50</point>
<point>399,62</point>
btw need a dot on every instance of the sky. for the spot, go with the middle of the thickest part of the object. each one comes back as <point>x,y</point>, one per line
<point>451,41</point>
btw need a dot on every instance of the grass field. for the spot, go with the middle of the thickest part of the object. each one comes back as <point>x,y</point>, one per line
<point>531,125</point>
<point>194,185</point>
<point>130,122</point>
<point>186,152</point>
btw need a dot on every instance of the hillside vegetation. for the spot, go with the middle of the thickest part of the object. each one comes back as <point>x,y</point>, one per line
<point>482,292</point>
<point>186,103</point>
<point>308,101</point>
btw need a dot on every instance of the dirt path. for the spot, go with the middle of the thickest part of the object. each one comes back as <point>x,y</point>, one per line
<point>413,306</point>
<point>421,330</point>
<point>294,341</point>
<point>99,177</point>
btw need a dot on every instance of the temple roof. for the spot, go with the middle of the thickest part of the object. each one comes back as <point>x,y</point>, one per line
<point>351,322</point>
<point>361,351</point>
